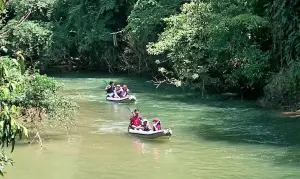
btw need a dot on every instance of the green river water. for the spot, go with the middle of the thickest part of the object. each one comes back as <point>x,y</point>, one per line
<point>211,139</point>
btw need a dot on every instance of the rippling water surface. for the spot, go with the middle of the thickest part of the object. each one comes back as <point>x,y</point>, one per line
<point>212,139</point>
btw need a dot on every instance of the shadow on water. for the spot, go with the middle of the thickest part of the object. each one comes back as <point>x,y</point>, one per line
<point>99,81</point>
<point>209,100</point>
<point>290,157</point>
<point>247,124</point>
<point>252,131</point>
<point>256,127</point>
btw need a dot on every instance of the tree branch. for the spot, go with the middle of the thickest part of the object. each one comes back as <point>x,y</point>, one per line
<point>23,18</point>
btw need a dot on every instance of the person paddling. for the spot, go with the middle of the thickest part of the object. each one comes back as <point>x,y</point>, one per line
<point>110,89</point>
<point>135,120</point>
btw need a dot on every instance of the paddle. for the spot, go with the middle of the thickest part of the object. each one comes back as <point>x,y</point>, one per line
<point>131,112</point>
<point>105,82</point>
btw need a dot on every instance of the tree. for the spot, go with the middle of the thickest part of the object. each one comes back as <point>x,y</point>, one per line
<point>217,42</point>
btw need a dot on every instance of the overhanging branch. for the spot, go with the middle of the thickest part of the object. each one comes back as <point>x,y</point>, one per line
<point>23,18</point>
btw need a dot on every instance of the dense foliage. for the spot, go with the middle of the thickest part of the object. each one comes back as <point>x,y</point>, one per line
<point>223,43</point>
<point>245,46</point>
<point>27,99</point>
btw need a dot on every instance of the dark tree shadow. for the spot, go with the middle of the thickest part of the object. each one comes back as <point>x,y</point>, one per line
<point>248,124</point>
<point>256,128</point>
<point>213,100</point>
<point>290,157</point>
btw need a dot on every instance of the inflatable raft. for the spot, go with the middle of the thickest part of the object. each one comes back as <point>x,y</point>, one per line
<point>161,134</point>
<point>129,98</point>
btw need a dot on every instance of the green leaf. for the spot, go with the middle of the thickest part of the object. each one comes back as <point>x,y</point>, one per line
<point>25,131</point>
<point>4,92</point>
<point>14,109</point>
<point>21,60</point>
<point>15,62</point>
<point>2,6</point>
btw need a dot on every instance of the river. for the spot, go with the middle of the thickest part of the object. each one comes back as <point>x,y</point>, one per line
<point>211,139</point>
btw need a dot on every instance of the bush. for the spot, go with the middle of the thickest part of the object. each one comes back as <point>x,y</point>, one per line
<point>25,95</point>
<point>283,89</point>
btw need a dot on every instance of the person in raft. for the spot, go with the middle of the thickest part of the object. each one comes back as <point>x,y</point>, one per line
<point>156,124</point>
<point>123,91</point>
<point>126,90</point>
<point>146,126</point>
<point>120,92</point>
<point>135,120</point>
<point>110,89</point>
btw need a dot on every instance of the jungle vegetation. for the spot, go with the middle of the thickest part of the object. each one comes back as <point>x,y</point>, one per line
<point>250,47</point>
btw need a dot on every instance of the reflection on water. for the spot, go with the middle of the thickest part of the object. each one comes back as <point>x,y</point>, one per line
<point>115,107</point>
<point>211,139</point>
<point>144,148</point>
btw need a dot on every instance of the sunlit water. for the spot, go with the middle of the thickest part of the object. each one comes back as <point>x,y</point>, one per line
<point>211,139</point>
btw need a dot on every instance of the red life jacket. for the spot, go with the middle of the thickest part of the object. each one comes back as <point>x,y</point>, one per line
<point>135,120</point>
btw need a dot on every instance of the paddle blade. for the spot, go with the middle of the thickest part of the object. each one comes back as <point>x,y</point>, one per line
<point>105,82</point>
